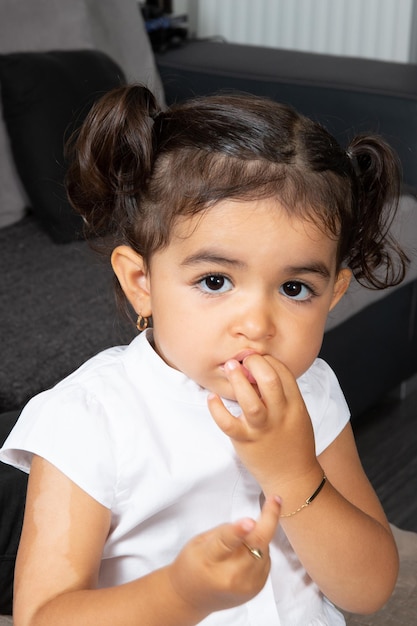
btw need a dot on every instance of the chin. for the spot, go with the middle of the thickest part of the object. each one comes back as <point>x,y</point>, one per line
<point>223,391</point>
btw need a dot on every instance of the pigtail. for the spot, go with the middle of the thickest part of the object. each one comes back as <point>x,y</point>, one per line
<point>374,256</point>
<point>111,159</point>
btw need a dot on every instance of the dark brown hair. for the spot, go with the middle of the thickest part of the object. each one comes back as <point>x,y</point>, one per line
<point>135,169</point>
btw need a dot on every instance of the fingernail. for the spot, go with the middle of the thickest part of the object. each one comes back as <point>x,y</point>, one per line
<point>232,364</point>
<point>248,524</point>
<point>278,500</point>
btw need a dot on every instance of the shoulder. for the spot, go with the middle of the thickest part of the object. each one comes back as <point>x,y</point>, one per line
<point>320,378</point>
<point>325,403</point>
<point>79,424</point>
<point>91,391</point>
<point>103,375</point>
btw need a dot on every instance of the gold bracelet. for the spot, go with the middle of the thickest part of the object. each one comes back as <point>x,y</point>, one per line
<point>309,500</point>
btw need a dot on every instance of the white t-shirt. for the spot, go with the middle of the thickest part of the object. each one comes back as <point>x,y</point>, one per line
<point>137,436</point>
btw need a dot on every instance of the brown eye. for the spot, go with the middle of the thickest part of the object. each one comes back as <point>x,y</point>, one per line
<point>296,290</point>
<point>215,283</point>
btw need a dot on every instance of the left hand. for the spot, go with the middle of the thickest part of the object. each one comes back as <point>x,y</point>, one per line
<point>215,570</point>
<point>273,436</point>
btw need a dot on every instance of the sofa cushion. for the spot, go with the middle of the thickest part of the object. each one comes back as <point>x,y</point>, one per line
<point>45,96</point>
<point>115,27</point>
<point>13,201</point>
<point>58,309</point>
<point>404,229</point>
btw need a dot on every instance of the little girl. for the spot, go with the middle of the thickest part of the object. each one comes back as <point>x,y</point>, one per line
<point>207,473</point>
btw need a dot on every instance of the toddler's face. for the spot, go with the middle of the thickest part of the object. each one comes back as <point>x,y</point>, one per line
<point>243,277</point>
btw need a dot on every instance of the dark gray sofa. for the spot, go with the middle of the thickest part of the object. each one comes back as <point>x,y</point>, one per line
<point>56,298</point>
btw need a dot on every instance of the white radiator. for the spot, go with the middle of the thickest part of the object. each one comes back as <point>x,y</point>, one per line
<point>381,29</point>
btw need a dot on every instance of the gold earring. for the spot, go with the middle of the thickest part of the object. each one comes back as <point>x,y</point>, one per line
<point>142,323</point>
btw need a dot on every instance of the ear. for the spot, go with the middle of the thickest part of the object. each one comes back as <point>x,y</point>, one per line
<point>340,286</point>
<point>133,277</point>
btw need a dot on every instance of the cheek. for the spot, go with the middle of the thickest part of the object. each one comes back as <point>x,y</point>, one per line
<point>305,350</point>
<point>178,339</point>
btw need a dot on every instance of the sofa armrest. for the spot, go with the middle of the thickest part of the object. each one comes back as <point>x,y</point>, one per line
<point>346,94</point>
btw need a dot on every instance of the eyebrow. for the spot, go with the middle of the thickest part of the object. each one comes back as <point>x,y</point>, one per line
<point>313,268</point>
<point>211,256</point>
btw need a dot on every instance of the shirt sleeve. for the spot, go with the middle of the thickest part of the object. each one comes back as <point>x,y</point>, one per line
<point>325,403</point>
<point>69,429</point>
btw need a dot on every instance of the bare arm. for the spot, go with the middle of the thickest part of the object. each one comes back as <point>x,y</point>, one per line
<point>60,552</point>
<point>343,538</point>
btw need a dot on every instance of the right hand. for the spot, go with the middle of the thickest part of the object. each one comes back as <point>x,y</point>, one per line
<point>216,570</point>
<point>273,436</point>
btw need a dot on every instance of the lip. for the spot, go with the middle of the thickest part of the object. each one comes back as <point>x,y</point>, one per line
<point>240,357</point>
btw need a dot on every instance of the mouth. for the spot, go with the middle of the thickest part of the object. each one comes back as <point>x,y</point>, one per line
<point>240,357</point>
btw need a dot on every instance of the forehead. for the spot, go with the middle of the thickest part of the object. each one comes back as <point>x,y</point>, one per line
<point>253,227</point>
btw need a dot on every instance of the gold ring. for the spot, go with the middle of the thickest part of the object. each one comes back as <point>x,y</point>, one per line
<point>255,552</point>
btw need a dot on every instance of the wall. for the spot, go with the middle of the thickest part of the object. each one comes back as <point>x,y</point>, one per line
<point>380,29</point>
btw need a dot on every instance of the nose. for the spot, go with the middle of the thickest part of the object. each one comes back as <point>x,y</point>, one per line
<point>255,320</point>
